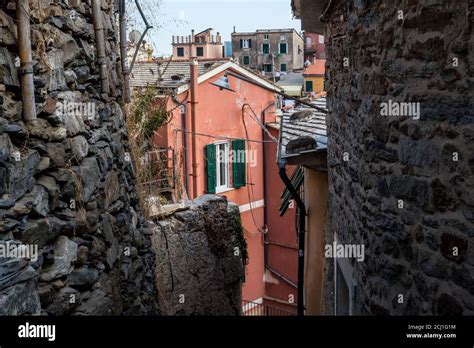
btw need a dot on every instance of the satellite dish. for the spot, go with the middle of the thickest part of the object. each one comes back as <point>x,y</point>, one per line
<point>134,36</point>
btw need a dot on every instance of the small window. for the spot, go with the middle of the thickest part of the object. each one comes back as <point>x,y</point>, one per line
<point>200,51</point>
<point>321,39</point>
<point>283,67</point>
<point>309,86</point>
<point>309,41</point>
<point>283,48</point>
<point>266,48</point>
<point>267,68</point>
<point>180,51</point>
<point>246,60</point>
<point>265,37</point>
<point>282,37</point>
<point>246,43</point>
<point>222,164</point>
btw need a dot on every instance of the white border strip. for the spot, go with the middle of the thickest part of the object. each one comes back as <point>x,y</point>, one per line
<point>246,207</point>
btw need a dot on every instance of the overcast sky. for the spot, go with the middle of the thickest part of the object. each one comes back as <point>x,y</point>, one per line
<point>178,17</point>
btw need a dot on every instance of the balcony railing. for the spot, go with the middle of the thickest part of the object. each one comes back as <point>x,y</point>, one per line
<point>250,308</point>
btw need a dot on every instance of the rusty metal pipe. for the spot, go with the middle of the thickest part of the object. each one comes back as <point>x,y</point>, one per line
<point>123,52</point>
<point>100,43</point>
<point>26,67</point>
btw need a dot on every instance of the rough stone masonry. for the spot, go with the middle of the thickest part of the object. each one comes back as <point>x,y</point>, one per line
<point>66,181</point>
<point>402,186</point>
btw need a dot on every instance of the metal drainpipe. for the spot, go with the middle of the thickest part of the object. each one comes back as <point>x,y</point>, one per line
<point>123,52</point>
<point>100,42</point>
<point>301,235</point>
<point>264,173</point>
<point>26,69</point>
<point>185,143</point>
<point>194,101</point>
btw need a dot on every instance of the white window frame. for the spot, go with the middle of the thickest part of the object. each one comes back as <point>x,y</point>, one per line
<point>321,39</point>
<point>266,43</point>
<point>279,47</point>
<point>219,187</point>
<point>282,37</point>
<point>245,43</point>
<point>266,37</point>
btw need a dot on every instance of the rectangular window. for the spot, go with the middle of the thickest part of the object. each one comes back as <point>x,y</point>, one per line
<point>265,37</point>
<point>282,37</point>
<point>180,51</point>
<point>321,39</point>
<point>267,68</point>
<point>200,51</point>
<point>283,48</point>
<point>222,166</point>
<point>265,48</point>
<point>246,43</point>
<point>283,67</point>
<point>309,86</point>
<point>246,60</point>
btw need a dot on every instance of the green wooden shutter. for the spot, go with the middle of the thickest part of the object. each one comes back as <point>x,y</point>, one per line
<point>211,168</point>
<point>238,165</point>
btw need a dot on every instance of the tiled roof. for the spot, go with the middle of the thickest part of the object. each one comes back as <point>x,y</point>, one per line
<point>176,73</point>
<point>306,125</point>
<point>316,69</point>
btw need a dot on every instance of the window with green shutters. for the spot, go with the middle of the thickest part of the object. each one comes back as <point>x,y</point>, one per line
<point>265,48</point>
<point>217,165</point>
<point>283,48</point>
<point>246,60</point>
<point>211,167</point>
<point>238,164</point>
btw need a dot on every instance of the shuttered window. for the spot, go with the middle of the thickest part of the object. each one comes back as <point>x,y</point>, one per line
<point>238,163</point>
<point>217,165</point>
<point>211,168</point>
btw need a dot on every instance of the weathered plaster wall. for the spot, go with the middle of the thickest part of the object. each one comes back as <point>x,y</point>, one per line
<point>66,184</point>
<point>409,250</point>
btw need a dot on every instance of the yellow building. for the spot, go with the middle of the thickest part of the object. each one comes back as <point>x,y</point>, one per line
<point>314,77</point>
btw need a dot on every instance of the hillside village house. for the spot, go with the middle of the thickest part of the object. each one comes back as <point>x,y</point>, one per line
<point>225,122</point>
<point>270,51</point>
<point>314,77</point>
<point>204,45</point>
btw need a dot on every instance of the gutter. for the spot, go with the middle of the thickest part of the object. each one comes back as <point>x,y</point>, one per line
<point>26,69</point>
<point>265,190</point>
<point>184,135</point>
<point>100,42</point>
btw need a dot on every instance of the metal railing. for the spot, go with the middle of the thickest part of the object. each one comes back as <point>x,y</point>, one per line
<point>250,308</point>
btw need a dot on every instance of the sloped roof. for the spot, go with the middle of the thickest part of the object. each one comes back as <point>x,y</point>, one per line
<point>175,74</point>
<point>304,129</point>
<point>291,79</point>
<point>316,69</point>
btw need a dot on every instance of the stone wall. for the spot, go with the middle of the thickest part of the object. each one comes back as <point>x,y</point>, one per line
<point>66,181</point>
<point>403,187</point>
<point>200,256</point>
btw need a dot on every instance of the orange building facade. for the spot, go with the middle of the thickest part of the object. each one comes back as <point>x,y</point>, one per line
<point>226,123</point>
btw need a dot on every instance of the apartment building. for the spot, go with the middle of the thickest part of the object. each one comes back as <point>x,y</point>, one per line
<point>271,51</point>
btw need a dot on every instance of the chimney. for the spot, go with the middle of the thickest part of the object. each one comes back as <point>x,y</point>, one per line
<point>193,38</point>
<point>193,65</point>
<point>234,28</point>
